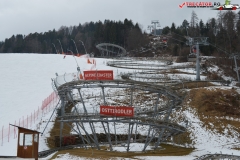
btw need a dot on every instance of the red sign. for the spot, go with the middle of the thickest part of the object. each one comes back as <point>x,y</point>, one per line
<point>98,75</point>
<point>118,111</point>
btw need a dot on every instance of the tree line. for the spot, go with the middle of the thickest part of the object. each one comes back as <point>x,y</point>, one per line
<point>223,34</point>
<point>126,34</point>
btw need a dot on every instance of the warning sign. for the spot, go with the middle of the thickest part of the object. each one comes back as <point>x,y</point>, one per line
<point>118,111</point>
<point>98,75</point>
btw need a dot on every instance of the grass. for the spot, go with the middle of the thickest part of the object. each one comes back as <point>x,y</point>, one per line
<point>191,85</point>
<point>55,131</point>
<point>216,102</point>
<point>104,154</point>
<point>216,108</point>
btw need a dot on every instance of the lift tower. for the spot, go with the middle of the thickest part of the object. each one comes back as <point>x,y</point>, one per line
<point>197,41</point>
<point>155,22</point>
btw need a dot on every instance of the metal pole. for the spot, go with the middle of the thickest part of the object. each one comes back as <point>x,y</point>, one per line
<point>94,134</point>
<point>129,133</point>
<point>84,107</point>
<point>103,96</point>
<point>159,138</point>
<point>236,68</point>
<point>115,132</point>
<point>61,123</point>
<point>136,132</point>
<point>78,68</point>
<point>87,135</point>
<point>108,135</point>
<point>83,46</point>
<point>49,118</point>
<point>197,64</point>
<point>145,146</point>
<point>75,45</point>
<point>55,48</point>
<point>81,135</point>
<point>60,45</point>
<point>155,29</point>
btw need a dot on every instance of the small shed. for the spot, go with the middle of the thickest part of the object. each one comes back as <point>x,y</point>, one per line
<point>28,142</point>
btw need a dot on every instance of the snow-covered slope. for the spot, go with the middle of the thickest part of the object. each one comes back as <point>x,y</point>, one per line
<point>25,82</point>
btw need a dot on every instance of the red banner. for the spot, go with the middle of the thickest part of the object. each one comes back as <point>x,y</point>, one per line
<point>98,75</point>
<point>118,111</point>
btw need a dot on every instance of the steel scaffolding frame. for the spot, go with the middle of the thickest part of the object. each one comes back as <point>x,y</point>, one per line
<point>159,128</point>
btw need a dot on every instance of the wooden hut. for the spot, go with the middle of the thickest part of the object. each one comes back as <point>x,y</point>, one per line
<point>28,142</point>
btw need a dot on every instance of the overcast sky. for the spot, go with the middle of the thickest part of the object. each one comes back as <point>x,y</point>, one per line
<point>29,16</point>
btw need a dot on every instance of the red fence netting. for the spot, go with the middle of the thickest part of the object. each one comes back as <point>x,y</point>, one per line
<point>8,132</point>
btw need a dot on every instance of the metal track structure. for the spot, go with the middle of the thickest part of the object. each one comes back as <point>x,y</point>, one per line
<point>111,50</point>
<point>139,65</point>
<point>217,156</point>
<point>156,118</point>
<point>152,73</point>
<point>161,79</point>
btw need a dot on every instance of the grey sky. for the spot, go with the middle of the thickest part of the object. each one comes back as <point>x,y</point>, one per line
<point>29,16</point>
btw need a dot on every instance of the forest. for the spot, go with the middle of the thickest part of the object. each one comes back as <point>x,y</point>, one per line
<point>63,39</point>
<point>223,34</point>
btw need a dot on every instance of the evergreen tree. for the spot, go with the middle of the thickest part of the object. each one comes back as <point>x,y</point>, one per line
<point>173,27</point>
<point>166,30</point>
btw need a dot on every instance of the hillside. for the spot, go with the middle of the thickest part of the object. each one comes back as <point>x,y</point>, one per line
<point>209,110</point>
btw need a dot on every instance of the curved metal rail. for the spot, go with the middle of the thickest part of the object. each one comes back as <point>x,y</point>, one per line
<point>145,66</point>
<point>217,156</point>
<point>117,84</point>
<point>111,49</point>
<point>157,119</point>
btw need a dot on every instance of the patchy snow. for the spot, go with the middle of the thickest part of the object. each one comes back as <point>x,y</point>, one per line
<point>26,82</point>
<point>133,147</point>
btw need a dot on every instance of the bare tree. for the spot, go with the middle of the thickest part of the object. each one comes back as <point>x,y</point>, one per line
<point>70,29</point>
<point>193,24</point>
<point>194,20</point>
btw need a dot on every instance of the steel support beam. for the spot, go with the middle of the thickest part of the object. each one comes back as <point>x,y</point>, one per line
<point>84,107</point>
